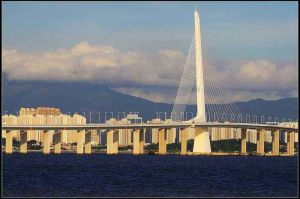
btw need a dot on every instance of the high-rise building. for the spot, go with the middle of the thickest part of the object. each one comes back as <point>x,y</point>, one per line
<point>39,111</point>
<point>154,132</point>
<point>171,133</point>
<point>125,134</point>
<point>27,111</point>
<point>11,120</point>
<point>47,111</point>
<point>27,118</point>
<point>95,139</point>
<point>134,118</point>
<point>289,124</point>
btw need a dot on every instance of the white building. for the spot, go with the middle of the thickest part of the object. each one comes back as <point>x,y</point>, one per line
<point>68,136</point>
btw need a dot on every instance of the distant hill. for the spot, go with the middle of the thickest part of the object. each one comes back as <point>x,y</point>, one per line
<point>85,97</point>
<point>75,97</point>
<point>285,108</point>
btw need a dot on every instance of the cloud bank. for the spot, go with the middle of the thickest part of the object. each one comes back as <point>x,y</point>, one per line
<point>137,73</point>
<point>95,63</point>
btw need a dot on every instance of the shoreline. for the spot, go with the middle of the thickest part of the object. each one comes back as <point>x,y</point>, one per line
<point>174,153</point>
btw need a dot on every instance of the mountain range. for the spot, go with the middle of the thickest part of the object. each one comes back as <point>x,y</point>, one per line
<point>93,97</point>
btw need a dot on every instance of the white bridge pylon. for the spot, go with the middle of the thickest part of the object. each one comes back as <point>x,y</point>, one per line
<point>212,97</point>
<point>201,141</point>
<point>194,65</point>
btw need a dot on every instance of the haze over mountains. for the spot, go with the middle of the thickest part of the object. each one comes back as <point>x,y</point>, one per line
<point>85,97</point>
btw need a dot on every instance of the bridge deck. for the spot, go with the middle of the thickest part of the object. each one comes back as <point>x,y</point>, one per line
<point>147,125</point>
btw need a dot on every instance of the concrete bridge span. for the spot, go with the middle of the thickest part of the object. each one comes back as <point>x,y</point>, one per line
<point>84,136</point>
<point>149,125</point>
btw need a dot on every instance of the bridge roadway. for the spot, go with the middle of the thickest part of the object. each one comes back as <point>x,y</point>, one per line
<point>148,125</point>
<point>84,136</point>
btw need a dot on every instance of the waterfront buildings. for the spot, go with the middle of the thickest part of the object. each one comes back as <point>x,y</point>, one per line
<point>125,135</point>
<point>231,133</point>
<point>171,133</point>
<point>154,132</point>
<point>46,116</point>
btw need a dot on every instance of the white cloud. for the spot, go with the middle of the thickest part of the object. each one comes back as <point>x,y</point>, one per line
<point>243,80</point>
<point>135,72</point>
<point>252,79</point>
<point>155,96</point>
<point>264,75</point>
<point>95,62</point>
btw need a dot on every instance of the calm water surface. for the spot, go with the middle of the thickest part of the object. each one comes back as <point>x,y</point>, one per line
<point>102,175</point>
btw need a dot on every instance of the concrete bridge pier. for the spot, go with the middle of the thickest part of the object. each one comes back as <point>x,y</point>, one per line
<point>138,141</point>
<point>112,142</point>
<point>88,142</point>
<point>275,142</point>
<point>142,141</point>
<point>291,143</point>
<point>184,137</point>
<point>46,142</point>
<point>162,141</point>
<point>80,141</point>
<point>261,142</point>
<point>57,137</point>
<point>9,142</point>
<point>243,141</point>
<point>202,141</point>
<point>288,144</point>
<point>23,142</point>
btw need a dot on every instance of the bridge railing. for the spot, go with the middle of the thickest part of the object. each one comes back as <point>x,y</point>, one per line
<point>236,118</point>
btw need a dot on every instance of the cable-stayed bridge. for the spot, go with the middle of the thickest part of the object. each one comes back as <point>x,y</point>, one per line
<point>196,75</point>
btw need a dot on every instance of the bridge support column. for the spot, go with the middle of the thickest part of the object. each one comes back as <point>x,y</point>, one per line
<point>261,142</point>
<point>142,141</point>
<point>136,141</point>
<point>162,141</point>
<point>88,142</point>
<point>291,143</point>
<point>80,141</point>
<point>9,142</point>
<point>57,142</point>
<point>184,138</point>
<point>112,142</point>
<point>243,141</point>
<point>23,141</point>
<point>201,141</point>
<point>288,143</point>
<point>275,142</point>
<point>46,142</point>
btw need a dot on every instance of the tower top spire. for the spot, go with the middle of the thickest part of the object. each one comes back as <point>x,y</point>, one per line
<point>195,7</point>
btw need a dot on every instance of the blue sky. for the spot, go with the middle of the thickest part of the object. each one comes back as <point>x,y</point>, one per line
<point>231,31</point>
<point>148,26</point>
